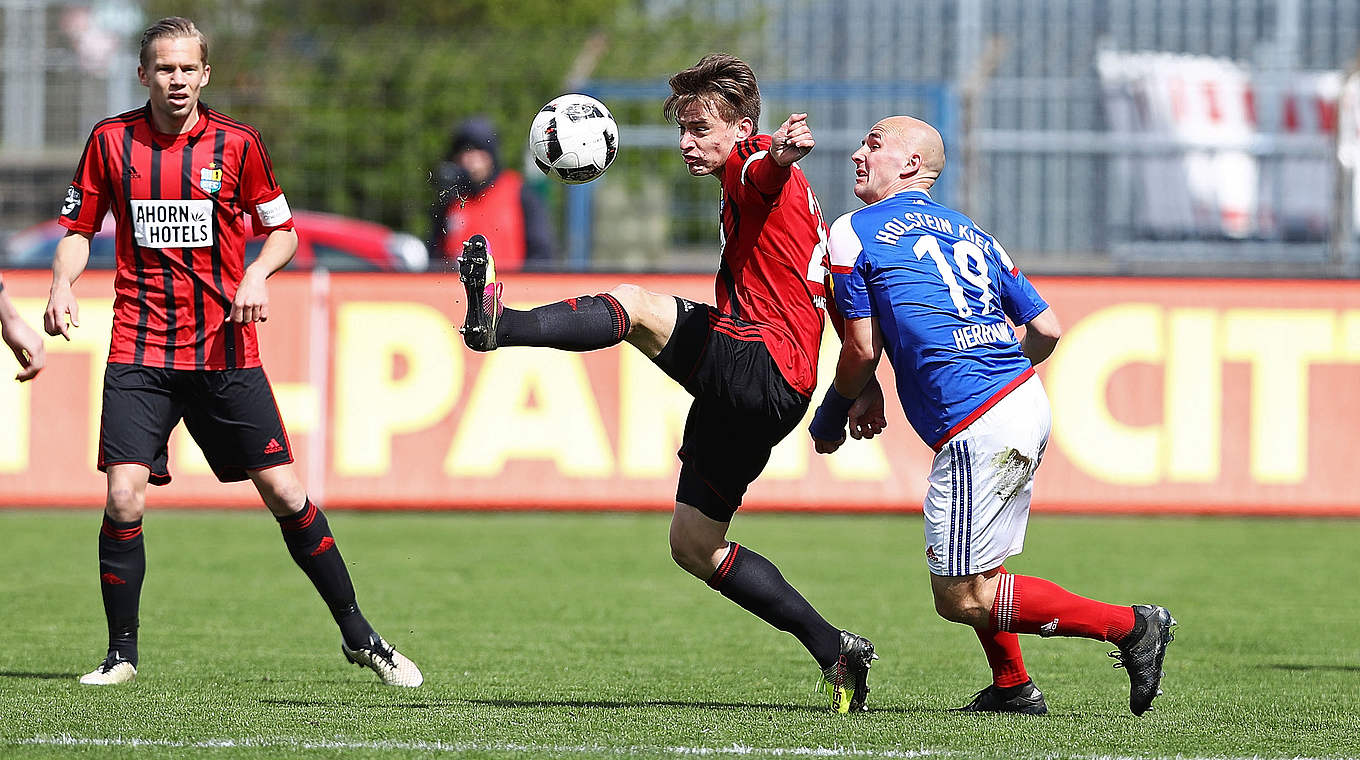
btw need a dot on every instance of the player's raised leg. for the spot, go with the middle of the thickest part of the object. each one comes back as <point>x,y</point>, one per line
<point>583,323</point>
<point>122,566</point>
<point>308,536</point>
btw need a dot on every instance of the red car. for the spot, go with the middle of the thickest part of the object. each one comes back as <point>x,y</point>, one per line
<point>325,241</point>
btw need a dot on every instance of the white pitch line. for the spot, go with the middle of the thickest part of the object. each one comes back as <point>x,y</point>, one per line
<point>64,740</point>
<point>459,747</point>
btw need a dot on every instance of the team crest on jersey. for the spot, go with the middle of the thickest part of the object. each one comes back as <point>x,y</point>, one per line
<point>210,178</point>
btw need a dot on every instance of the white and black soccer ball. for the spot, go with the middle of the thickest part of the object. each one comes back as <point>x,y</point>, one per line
<point>574,139</point>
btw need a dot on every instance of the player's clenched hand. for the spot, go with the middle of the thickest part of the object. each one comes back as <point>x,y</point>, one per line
<point>252,300</point>
<point>61,304</point>
<point>866,414</point>
<point>827,447</point>
<point>27,346</point>
<point>828,422</point>
<point>792,140</point>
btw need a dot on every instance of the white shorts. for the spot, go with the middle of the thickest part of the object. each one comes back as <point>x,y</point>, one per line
<point>977,501</point>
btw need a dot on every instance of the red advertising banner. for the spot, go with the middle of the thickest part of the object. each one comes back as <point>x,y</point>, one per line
<point>1168,395</point>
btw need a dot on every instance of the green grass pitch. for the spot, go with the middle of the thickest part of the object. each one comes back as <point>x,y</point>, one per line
<point>573,635</point>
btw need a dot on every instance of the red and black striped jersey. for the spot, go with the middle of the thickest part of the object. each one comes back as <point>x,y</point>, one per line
<point>773,249</point>
<point>179,203</point>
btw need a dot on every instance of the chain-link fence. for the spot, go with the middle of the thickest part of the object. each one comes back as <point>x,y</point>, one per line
<point>1035,153</point>
<point>1033,156</point>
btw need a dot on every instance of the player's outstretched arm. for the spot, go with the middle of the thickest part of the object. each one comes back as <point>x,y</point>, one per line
<point>26,344</point>
<point>63,313</point>
<point>251,303</point>
<point>792,140</point>
<point>1041,336</point>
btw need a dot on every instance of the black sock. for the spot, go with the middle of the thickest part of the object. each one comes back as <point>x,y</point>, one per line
<point>122,566</point>
<point>576,324</point>
<point>754,582</point>
<point>309,540</point>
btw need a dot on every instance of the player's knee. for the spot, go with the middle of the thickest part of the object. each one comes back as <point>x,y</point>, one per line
<point>628,294</point>
<point>691,558</point>
<point>630,297</point>
<point>946,608</point>
<point>290,497</point>
<point>124,503</point>
<point>677,555</point>
<point>959,608</point>
<point>681,554</point>
<point>640,303</point>
<point>282,495</point>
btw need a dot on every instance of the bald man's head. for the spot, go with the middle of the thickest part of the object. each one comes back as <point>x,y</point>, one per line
<point>899,153</point>
<point>917,137</point>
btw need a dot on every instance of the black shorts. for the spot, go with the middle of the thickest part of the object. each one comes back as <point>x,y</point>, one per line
<point>742,406</point>
<point>230,413</point>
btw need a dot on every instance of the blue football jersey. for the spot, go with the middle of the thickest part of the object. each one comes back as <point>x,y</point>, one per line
<point>942,291</point>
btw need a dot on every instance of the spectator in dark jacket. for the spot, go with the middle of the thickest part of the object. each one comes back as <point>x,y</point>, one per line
<point>475,195</point>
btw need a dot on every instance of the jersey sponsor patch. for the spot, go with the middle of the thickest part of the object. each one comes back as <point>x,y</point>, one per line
<point>70,208</point>
<point>273,213</point>
<point>172,224</point>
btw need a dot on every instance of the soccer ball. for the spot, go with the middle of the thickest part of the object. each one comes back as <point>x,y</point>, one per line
<point>574,139</point>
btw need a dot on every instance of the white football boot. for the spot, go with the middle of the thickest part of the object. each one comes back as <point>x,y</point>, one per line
<point>113,670</point>
<point>382,658</point>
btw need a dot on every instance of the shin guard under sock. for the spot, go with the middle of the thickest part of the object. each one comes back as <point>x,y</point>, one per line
<point>309,540</point>
<point>576,324</point>
<point>1025,604</point>
<point>755,583</point>
<point>122,566</point>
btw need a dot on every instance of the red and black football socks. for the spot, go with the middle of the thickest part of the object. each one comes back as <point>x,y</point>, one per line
<point>309,540</point>
<point>584,323</point>
<point>1025,604</point>
<point>122,566</point>
<point>755,583</point>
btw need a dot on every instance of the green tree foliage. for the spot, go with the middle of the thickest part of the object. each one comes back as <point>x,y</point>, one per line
<point>357,99</point>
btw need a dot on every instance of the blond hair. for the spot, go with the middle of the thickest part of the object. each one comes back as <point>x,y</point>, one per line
<point>172,27</point>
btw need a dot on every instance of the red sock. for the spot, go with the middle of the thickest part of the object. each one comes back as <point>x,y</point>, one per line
<point>1025,604</point>
<point>1003,654</point>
